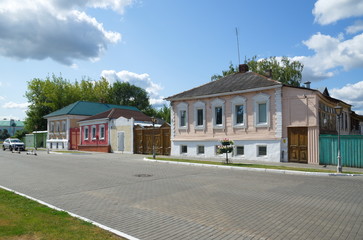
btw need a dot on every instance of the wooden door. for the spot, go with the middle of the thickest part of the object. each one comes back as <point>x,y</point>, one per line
<point>298,144</point>
<point>74,138</point>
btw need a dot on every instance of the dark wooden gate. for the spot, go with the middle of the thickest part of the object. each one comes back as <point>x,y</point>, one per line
<point>298,144</point>
<point>74,138</point>
<point>145,136</point>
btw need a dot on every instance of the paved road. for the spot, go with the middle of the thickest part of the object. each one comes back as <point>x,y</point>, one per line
<point>166,201</point>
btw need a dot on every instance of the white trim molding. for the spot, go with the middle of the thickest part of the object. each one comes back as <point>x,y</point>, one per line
<point>182,108</point>
<point>239,101</point>
<point>218,103</point>
<point>278,112</point>
<point>104,131</point>
<point>199,106</point>
<point>260,99</point>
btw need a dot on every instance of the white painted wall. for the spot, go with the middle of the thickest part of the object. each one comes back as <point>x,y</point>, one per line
<point>250,150</point>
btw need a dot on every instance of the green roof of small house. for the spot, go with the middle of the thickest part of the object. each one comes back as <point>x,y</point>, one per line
<point>86,109</point>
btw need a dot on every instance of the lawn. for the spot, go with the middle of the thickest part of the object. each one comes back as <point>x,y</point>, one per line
<point>252,165</point>
<point>24,219</point>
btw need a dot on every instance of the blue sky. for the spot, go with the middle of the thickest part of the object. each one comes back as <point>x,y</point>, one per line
<point>170,46</point>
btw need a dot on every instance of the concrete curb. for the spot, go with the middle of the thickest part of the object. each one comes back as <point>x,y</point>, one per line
<point>114,231</point>
<point>292,172</point>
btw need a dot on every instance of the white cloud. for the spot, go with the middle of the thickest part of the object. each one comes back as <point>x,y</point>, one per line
<point>56,29</point>
<point>330,11</point>
<point>332,54</point>
<point>12,105</point>
<point>140,80</point>
<point>1,97</point>
<point>355,28</point>
<point>351,94</point>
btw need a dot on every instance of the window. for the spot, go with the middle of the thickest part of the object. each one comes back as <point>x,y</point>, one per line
<point>262,110</point>
<point>240,150</point>
<point>86,133</point>
<point>93,132</point>
<point>262,150</point>
<point>239,112</point>
<point>102,132</point>
<point>52,126</point>
<point>183,149</point>
<point>63,126</point>
<point>200,149</point>
<point>183,115</point>
<point>58,127</point>
<point>182,112</point>
<point>218,113</point>
<point>199,115</point>
<point>262,113</point>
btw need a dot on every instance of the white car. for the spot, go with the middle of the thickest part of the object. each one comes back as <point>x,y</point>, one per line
<point>13,143</point>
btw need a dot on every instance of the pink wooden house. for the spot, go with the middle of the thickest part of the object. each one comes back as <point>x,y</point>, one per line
<point>111,131</point>
<point>267,120</point>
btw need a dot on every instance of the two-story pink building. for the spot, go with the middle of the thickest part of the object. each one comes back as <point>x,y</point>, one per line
<point>267,120</point>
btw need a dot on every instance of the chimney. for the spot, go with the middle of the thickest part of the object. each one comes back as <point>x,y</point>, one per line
<point>268,73</point>
<point>307,84</point>
<point>242,68</point>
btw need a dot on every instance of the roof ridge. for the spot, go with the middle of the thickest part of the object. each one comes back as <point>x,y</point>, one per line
<point>111,113</point>
<point>268,78</point>
<point>74,105</point>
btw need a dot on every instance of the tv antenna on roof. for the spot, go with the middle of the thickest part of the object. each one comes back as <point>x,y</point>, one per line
<point>239,59</point>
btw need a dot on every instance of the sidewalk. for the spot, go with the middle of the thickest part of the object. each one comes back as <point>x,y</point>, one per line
<point>285,164</point>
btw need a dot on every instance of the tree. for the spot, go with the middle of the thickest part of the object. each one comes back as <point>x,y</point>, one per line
<point>162,113</point>
<point>285,71</point>
<point>124,93</point>
<point>53,93</point>
<point>231,70</point>
<point>4,134</point>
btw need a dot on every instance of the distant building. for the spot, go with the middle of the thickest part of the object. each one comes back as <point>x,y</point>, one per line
<point>11,126</point>
<point>63,128</point>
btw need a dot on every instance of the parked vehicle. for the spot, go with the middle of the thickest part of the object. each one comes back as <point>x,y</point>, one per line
<point>13,143</point>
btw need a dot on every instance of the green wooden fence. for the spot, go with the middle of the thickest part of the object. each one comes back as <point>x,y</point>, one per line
<point>351,149</point>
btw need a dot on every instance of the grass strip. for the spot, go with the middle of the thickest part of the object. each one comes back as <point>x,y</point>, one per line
<point>24,219</point>
<point>250,165</point>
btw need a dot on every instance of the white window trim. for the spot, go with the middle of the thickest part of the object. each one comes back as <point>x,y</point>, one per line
<point>181,150</point>
<point>218,103</point>
<point>260,99</point>
<point>235,102</point>
<point>197,106</point>
<point>104,131</point>
<point>258,152</point>
<point>235,149</point>
<point>198,153</point>
<point>182,107</point>
<point>84,133</point>
<point>94,136</point>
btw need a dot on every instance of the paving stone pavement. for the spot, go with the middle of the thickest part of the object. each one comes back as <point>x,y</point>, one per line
<point>165,201</point>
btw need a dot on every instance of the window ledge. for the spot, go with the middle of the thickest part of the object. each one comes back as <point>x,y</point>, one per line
<point>264,125</point>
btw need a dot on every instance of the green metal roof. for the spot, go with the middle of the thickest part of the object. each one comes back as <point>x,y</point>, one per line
<point>86,109</point>
<point>6,123</point>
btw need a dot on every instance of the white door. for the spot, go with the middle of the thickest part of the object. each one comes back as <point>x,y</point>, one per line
<point>120,141</point>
